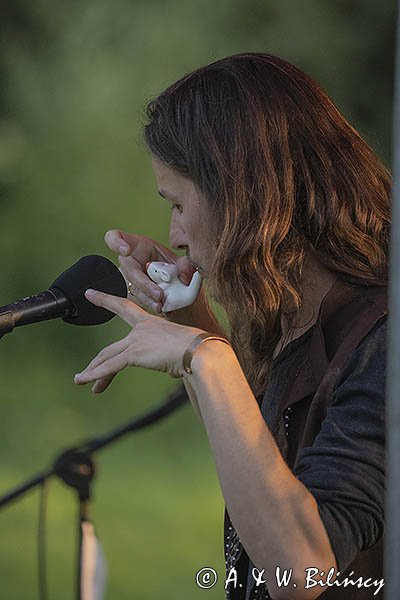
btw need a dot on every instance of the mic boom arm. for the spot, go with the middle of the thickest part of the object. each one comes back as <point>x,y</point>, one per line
<point>52,302</point>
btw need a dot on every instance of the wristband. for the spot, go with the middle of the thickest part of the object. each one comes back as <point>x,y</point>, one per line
<point>191,349</point>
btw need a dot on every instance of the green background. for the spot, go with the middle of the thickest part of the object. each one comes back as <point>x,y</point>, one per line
<point>75,77</point>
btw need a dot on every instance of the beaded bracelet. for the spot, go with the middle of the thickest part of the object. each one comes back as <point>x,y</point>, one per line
<point>198,340</point>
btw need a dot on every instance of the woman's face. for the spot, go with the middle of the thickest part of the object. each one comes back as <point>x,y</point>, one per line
<point>191,224</point>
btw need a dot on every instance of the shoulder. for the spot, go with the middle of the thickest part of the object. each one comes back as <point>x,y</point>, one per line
<point>367,363</point>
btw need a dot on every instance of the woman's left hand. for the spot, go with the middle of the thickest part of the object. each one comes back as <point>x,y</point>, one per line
<point>153,343</point>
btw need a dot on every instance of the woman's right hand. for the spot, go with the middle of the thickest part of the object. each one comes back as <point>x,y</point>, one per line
<point>134,251</point>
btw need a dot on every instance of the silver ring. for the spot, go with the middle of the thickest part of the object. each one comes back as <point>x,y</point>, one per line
<point>131,289</point>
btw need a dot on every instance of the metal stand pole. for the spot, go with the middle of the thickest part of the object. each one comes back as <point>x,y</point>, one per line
<point>392,536</point>
<point>75,467</point>
<point>77,470</point>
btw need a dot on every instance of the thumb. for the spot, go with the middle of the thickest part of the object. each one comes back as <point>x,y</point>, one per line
<point>185,268</point>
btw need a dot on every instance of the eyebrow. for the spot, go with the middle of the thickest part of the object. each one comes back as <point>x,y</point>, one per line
<point>164,194</point>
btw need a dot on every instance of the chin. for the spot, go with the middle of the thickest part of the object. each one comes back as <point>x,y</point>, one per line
<point>202,272</point>
<point>198,268</point>
<point>194,265</point>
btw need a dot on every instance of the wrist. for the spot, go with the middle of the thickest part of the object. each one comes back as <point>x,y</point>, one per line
<point>203,355</point>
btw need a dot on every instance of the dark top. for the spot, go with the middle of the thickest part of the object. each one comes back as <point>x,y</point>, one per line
<point>324,405</point>
<point>344,468</point>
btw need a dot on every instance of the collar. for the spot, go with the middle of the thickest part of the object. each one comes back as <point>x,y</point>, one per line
<point>347,312</point>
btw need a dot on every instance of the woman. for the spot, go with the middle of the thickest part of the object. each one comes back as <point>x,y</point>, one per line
<point>284,209</point>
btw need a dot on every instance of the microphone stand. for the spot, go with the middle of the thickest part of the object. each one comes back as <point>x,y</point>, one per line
<point>76,468</point>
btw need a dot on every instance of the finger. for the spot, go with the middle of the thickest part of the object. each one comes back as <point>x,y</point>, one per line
<point>136,296</point>
<point>152,308</point>
<point>102,384</point>
<point>142,247</point>
<point>108,352</point>
<point>116,241</point>
<point>147,290</point>
<point>165,254</point>
<point>122,307</point>
<point>112,366</point>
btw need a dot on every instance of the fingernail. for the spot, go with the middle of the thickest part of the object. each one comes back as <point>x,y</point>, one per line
<point>76,377</point>
<point>90,292</point>
<point>123,249</point>
<point>157,295</point>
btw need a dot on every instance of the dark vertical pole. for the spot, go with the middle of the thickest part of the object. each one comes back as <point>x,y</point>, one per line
<point>392,535</point>
<point>80,542</point>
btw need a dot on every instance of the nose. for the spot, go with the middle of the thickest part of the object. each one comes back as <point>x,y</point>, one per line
<point>177,235</point>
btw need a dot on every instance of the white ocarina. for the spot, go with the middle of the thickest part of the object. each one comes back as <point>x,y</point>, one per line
<point>176,294</point>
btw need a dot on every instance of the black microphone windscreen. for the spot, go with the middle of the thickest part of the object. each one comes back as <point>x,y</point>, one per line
<point>98,273</point>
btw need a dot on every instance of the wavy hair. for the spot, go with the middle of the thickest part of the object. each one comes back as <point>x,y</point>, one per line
<point>284,174</point>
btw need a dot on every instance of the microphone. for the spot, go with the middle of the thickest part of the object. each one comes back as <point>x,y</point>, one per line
<point>65,298</point>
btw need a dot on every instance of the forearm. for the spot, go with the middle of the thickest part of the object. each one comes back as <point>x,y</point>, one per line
<point>275,516</point>
<point>199,315</point>
<point>193,399</point>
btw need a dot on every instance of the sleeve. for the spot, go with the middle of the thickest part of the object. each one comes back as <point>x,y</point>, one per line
<point>344,468</point>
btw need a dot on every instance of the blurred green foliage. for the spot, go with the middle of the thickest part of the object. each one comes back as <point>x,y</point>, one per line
<point>75,77</point>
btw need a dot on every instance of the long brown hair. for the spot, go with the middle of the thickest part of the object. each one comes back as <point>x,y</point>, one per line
<point>284,174</point>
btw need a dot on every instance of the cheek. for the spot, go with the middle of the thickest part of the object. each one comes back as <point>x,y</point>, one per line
<point>191,226</point>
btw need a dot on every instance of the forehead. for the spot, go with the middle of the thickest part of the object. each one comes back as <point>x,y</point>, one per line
<point>171,183</point>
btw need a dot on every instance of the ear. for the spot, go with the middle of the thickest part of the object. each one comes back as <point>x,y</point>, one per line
<point>166,277</point>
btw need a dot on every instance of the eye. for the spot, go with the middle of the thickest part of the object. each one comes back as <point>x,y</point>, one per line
<point>178,208</point>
